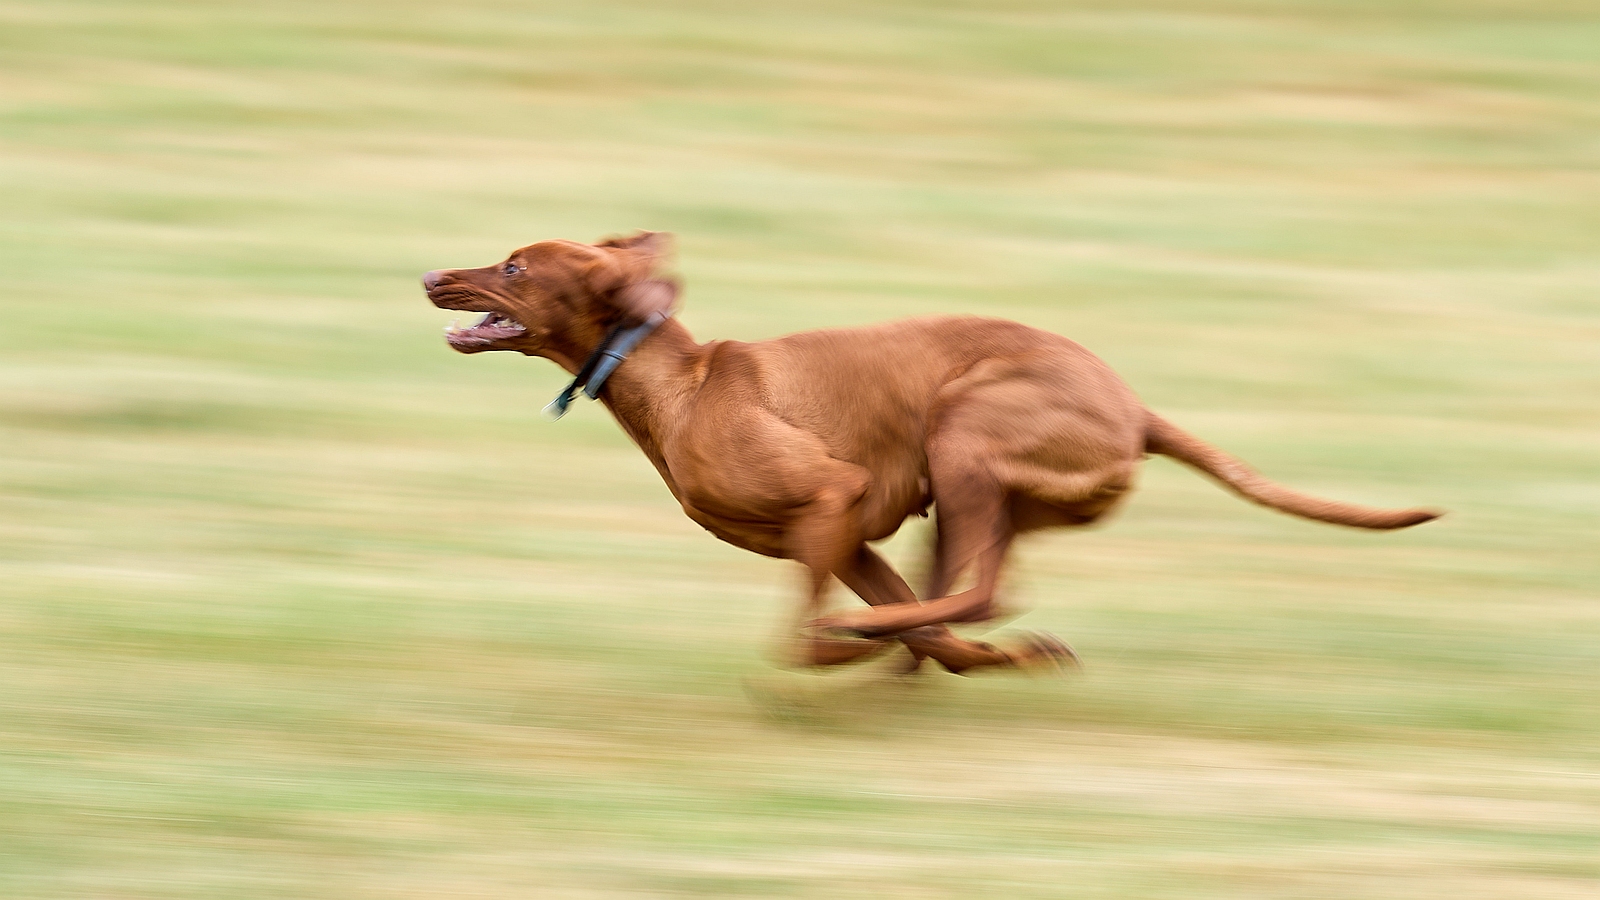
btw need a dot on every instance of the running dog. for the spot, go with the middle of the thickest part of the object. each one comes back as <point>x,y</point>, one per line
<point>809,447</point>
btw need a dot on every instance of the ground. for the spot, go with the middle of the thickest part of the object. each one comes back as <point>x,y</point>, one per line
<point>295,602</point>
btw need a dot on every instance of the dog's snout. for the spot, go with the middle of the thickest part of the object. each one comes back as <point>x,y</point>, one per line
<point>431,280</point>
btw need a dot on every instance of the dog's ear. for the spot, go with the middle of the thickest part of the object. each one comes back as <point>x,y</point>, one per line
<point>655,243</point>
<point>626,276</point>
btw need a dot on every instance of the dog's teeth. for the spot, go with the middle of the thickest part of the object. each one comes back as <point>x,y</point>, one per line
<point>451,328</point>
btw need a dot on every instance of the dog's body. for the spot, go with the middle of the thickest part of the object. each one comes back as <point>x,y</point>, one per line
<point>809,446</point>
<point>771,425</point>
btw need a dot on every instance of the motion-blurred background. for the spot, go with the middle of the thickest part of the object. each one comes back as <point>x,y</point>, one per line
<point>296,602</point>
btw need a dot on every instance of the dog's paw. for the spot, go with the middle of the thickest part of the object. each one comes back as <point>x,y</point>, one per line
<point>1043,652</point>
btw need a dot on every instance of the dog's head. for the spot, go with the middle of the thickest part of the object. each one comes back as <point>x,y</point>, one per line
<point>556,297</point>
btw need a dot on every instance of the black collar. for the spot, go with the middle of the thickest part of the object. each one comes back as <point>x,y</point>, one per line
<point>613,349</point>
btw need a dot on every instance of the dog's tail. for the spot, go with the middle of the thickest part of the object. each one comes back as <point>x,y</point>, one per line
<point>1167,439</point>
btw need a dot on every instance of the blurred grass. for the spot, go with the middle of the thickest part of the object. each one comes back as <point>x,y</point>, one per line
<point>295,602</point>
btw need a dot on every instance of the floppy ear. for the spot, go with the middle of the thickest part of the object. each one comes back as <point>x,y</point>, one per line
<point>656,243</point>
<point>626,277</point>
<point>643,299</point>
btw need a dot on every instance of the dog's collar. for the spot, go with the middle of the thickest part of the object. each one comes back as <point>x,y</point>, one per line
<point>613,349</point>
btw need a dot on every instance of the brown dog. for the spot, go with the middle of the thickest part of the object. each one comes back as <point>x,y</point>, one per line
<point>810,446</point>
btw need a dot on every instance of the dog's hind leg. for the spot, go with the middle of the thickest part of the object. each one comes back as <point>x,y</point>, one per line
<point>877,583</point>
<point>818,542</point>
<point>806,647</point>
<point>974,529</point>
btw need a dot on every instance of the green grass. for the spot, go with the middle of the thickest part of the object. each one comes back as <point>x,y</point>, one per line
<point>295,602</point>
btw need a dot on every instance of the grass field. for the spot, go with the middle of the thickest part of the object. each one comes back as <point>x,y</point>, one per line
<point>295,602</point>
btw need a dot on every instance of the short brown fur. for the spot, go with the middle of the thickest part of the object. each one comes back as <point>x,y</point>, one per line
<point>810,446</point>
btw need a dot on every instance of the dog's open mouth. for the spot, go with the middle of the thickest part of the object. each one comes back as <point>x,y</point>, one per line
<point>492,327</point>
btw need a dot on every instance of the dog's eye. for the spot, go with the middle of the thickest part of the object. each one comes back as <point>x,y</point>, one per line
<point>510,269</point>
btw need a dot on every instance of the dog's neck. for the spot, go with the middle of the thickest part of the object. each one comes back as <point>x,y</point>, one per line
<point>650,389</point>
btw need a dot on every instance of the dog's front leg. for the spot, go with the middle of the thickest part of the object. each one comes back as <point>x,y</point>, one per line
<point>824,537</point>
